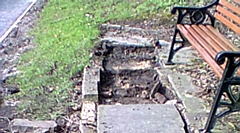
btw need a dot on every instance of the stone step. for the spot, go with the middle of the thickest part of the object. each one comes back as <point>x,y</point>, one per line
<point>139,118</point>
<point>91,79</point>
<point>196,110</point>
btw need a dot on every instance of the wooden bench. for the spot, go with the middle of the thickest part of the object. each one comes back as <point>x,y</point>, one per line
<point>196,26</point>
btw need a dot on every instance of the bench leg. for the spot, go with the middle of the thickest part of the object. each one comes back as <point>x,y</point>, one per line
<point>233,106</point>
<point>225,87</point>
<point>174,50</point>
<point>212,118</point>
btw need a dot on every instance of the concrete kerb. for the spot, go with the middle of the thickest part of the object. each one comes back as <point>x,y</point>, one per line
<point>191,108</point>
<point>91,79</point>
<point>90,84</point>
<point>88,115</point>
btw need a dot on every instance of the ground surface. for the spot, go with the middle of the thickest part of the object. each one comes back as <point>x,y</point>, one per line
<point>18,42</point>
<point>10,10</point>
<point>128,76</point>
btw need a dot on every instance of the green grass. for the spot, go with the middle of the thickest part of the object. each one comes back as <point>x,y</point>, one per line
<point>64,35</point>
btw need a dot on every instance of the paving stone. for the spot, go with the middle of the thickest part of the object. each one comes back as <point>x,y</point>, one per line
<point>91,79</point>
<point>26,126</point>
<point>88,117</point>
<point>183,56</point>
<point>88,112</point>
<point>196,112</point>
<point>139,118</point>
<point>126,41</point>
<point>183,87</point>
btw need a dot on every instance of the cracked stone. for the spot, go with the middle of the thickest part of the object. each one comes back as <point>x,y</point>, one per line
<point>24,125</point>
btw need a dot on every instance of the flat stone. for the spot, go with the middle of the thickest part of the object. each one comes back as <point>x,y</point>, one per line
<point>88,117</point>
<point>139,118</point>
<point>128,41</point>
<point>182,84</point>
<point>88,112</point>
<point>133,65</point>
<point>183,56</point>
<point>91,79</point>
<point>196,113</point>
<point>163,43</point>
<point>24,125</point>
<point>184,87</point>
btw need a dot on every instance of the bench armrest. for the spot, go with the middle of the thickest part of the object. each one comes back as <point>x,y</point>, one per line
<point>232,57</point>
<point>197,14</point>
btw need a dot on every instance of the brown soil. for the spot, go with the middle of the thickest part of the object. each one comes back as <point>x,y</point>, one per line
<point>129,77</point>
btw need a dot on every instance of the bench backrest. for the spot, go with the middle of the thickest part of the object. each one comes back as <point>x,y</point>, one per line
<point>229,14</point>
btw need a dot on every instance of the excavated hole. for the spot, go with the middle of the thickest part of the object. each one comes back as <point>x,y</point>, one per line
<point>129,77</point>
<point>130,57</point>
<point>132,87</point>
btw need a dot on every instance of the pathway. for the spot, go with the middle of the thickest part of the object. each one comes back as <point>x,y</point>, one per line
<point>184,113</point>
<point>11,13</point>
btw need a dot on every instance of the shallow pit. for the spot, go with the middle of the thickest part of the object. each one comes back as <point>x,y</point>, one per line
<point>132,87</point>
<point>130,57</point>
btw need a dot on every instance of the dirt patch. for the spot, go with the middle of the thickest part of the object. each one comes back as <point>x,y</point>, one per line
<point>133,87</point>
<point>128,77</point>
<point>130,57</point>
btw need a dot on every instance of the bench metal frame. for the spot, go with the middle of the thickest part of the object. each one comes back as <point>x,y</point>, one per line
<point>198,16</point>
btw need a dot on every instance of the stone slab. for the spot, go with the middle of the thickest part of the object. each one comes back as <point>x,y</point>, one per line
<point>185,55</point>
<point>88,117</point>
<point>139,118</point>
<point>10,11</point>
<point>196,112</point>
<point>133,65</point>
<point>182,85</point>
<point>36,126</point>
<point>126,41</point>
<point>91,79</point>
<point>88,112</point>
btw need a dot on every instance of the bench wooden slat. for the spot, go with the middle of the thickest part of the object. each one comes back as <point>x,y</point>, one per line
<point>223,39</point>
<point>228,23</point>
<point>201,41</point>
<point>219,38</point>
<point>221,44</point>
<point>228,14</point>
<point>216,68</point>
<point>209,41</point>
<point>237,1</point>
<point>214,37</point>
<point>230,6</point>
<point>210,46</point>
